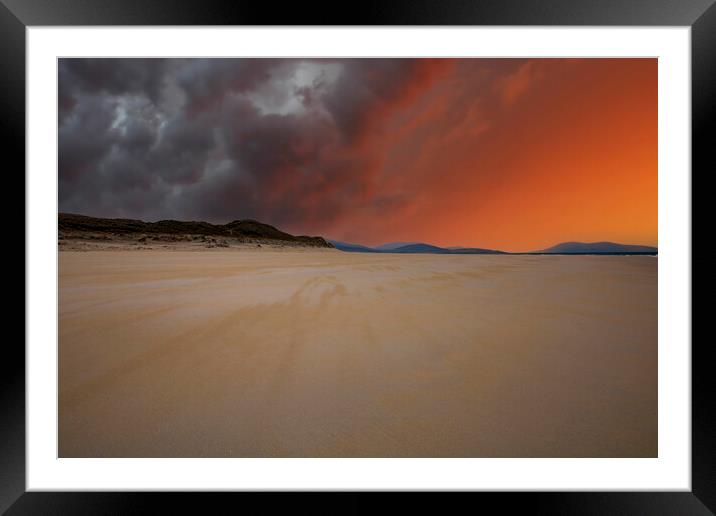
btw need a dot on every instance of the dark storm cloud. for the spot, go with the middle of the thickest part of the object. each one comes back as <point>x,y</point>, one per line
<point>369,85</point>
<point>221,139</point>
<point>206,82</point>
<point>85,138</point>
<point>114,76</point>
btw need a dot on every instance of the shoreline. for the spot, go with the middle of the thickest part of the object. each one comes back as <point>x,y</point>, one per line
<point>88,245</point>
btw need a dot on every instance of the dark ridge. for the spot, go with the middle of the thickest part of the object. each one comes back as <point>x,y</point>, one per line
<point>419,248</point>
<point>597,248</point>
<point>249,229</point>
<point>352,248</point>
<point>414,248</point>
<point>473,250</point>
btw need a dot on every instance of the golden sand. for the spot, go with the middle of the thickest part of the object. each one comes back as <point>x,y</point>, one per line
<point>278,353</point>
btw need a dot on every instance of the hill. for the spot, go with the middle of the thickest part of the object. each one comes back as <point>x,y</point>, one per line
<point>597,248</point>
<point>409,248</point>
<point>352,248</point>
<point>393,245</point>
<point>74,226</point>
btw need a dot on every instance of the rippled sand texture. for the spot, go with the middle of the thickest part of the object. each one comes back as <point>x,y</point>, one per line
<point>312,354</point>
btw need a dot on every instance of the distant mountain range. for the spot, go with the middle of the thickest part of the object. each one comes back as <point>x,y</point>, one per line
<point>409,248</point>
<point>563,248</point>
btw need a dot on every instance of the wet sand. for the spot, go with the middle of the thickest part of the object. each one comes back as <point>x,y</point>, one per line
<point>278,353</point>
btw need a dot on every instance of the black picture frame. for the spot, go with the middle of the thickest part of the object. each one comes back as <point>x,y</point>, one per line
<point>17,15</point>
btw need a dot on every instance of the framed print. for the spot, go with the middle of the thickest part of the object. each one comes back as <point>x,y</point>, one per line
<point>426,248</point>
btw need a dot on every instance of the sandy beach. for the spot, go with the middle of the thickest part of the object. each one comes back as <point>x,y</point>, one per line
<point>319,353</point>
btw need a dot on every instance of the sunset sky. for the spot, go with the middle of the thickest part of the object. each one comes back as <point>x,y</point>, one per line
<point>510,154</point>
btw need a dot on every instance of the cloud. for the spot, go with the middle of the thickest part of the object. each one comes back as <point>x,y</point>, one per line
<point>280,140</point>
<point>320,146</point>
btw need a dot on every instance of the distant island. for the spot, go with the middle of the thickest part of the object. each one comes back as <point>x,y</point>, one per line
<point>597,248</point>
<point>563,248</point>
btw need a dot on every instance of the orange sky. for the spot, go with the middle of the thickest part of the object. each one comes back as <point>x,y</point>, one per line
<point>510,154</point>
<point>518,157</point>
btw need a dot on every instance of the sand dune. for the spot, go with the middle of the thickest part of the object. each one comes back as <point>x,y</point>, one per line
<point>324,353</point>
